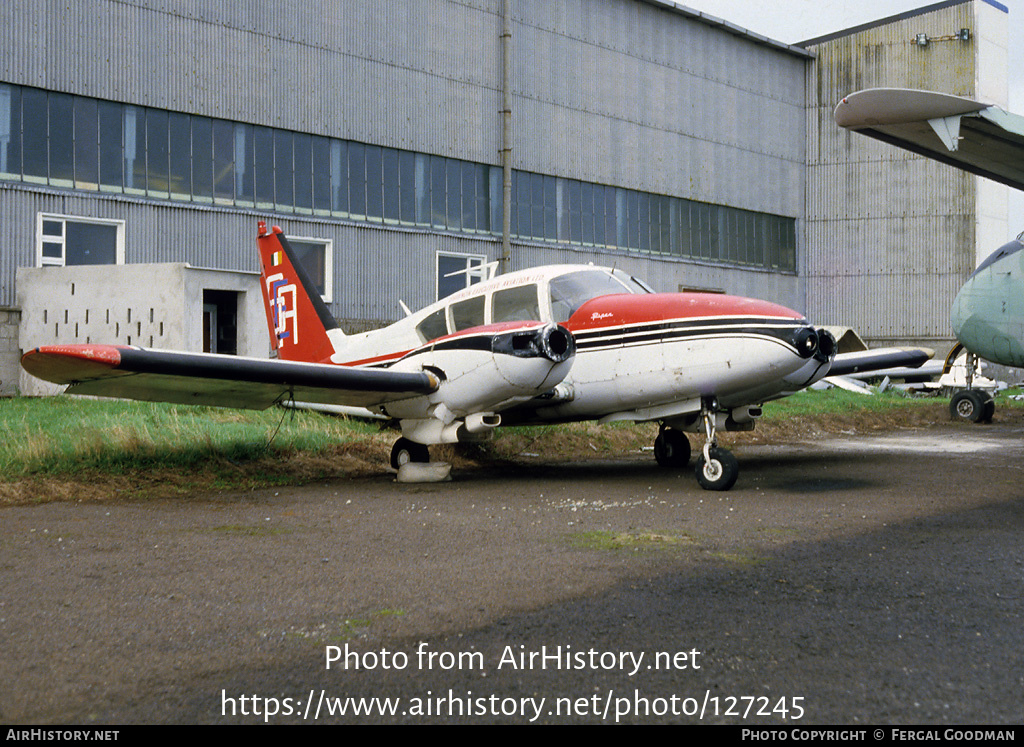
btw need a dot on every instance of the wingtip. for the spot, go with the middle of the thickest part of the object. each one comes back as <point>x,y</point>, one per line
<point>62,364</point>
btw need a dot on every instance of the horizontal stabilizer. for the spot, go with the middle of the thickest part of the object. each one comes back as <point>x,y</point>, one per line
<point>216,380</point>
<point>879,359</point>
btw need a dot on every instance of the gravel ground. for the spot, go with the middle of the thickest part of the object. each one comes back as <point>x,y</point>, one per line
<point>874,579</point>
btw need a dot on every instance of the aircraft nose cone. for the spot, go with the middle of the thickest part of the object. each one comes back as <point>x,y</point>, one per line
<point>985,319</point>
<point>959,313</point>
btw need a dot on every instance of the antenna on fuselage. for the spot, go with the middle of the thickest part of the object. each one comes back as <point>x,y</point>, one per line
<point>405,308</point>
<point>481,272</point>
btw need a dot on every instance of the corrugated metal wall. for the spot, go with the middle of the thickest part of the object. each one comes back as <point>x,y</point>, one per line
<point>629,93</point>
<point>617,92</point>
<point>890,236</point>
<point>372,71</point>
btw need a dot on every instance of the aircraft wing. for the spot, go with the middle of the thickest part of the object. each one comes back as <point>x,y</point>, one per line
<point>878,359</point>
<point>970,135</point>
<point>219,380</point>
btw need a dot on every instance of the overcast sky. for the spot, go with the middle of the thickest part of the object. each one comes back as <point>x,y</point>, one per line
<point>794,21</point>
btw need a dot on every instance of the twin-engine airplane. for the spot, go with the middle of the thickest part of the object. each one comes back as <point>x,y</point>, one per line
<point>546,345</point>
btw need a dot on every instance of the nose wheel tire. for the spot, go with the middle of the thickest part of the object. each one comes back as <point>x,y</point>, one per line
<point>672,448</point>
<point>405,451</point>
<point>719,472</point>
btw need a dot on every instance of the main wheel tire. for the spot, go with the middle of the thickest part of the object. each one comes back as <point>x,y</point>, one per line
<point>990,409</point>
<point>720,472</point>
<point>968,404</point>
<point>672,448</point>
<point>405,451</point>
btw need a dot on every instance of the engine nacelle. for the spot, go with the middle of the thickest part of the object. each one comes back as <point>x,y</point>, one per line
<point>482,422</point>
<point>742,418</point>
<point>482,370</point>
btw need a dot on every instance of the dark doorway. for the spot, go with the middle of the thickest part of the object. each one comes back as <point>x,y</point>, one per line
<point>220,322</point>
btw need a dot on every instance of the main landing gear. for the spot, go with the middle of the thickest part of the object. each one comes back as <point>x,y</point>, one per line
<point>672,448</point>
<point>716,468</point>
<point>405,451</point>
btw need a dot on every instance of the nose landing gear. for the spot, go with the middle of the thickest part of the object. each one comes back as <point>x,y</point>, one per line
<point>717,468</point>
<point>970,404</point>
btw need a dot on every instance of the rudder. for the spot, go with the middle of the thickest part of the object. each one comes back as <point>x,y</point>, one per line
<point>297,317</point>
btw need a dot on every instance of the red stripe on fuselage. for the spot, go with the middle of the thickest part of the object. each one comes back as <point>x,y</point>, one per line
<point>389,358</point>
<point>622,310</point>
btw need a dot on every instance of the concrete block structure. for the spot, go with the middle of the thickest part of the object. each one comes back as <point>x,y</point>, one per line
<point>170,306</point>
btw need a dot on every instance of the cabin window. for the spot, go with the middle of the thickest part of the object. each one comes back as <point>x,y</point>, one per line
<point>67,240</point>
<point>515,304</point>
<point>468,313</point>
<point>434,326</point>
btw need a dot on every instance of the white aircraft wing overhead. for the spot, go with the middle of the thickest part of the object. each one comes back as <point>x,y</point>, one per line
<point>218,380</point>
<point>976,137</point>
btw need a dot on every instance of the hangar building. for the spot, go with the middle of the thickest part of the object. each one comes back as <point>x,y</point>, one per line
<point>890,236</point>
<point>406,145</point>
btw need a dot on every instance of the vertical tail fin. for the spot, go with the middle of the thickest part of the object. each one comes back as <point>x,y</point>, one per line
<point>301,325</point>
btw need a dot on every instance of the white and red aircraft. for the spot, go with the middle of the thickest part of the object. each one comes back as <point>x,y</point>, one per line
<point>547,345</point>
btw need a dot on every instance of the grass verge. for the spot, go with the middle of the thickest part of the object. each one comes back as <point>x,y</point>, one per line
<point>63,448</point>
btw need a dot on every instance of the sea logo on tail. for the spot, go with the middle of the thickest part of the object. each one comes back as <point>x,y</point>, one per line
<point>283,296</point>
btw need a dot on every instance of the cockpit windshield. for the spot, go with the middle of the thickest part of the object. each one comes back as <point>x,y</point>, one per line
<point>1001,253</point>
<point>569,292</point>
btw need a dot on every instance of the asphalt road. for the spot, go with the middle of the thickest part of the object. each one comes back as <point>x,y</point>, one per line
<point>859,580</point>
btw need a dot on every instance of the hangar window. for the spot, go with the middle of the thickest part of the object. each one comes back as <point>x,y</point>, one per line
<point>83,143</point>
<point>68,240</point>
<point>458,271</point>
<point>316,258</point>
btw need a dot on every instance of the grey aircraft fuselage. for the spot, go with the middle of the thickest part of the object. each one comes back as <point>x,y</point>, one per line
<point>988,312</point>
